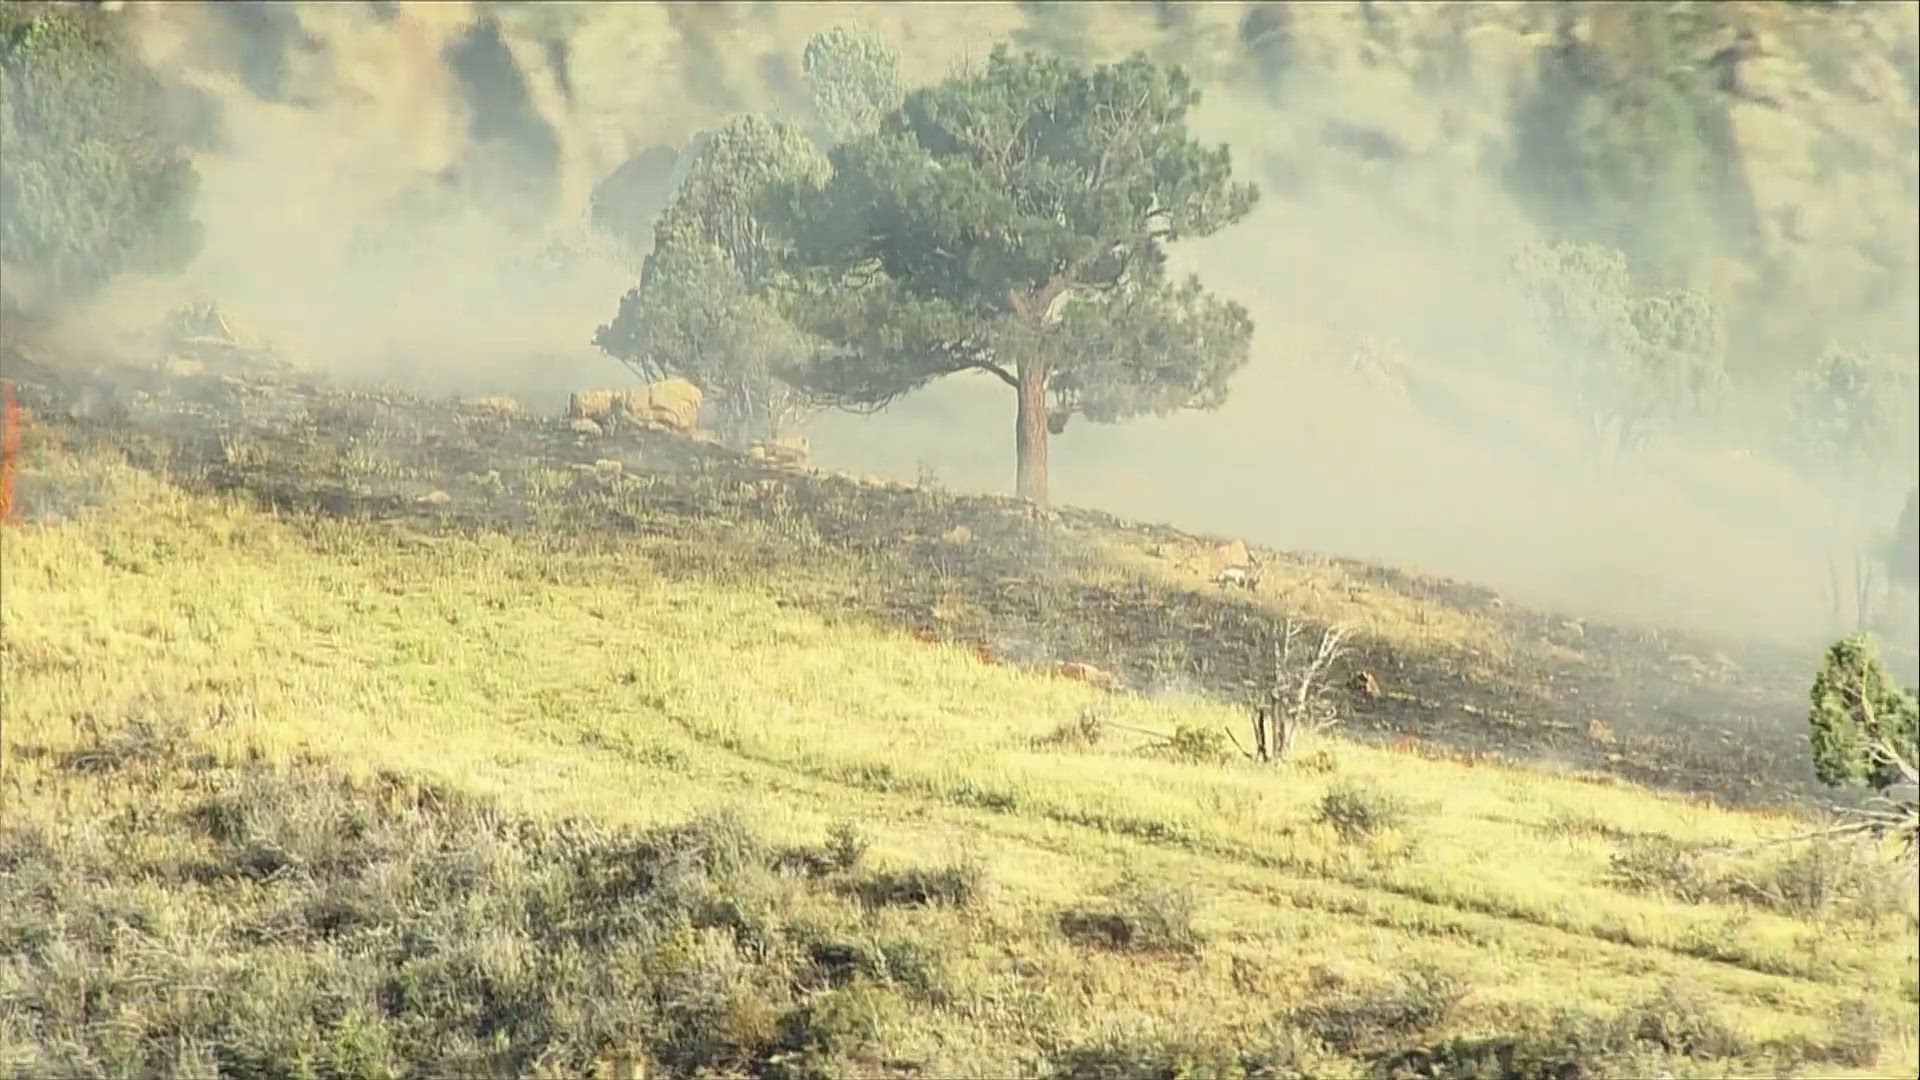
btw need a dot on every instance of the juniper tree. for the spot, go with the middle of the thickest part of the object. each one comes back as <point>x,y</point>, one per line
<point>707,307</point>
<point>1865,731</point>
<point>1857,707</point>
<point>1012,221</point>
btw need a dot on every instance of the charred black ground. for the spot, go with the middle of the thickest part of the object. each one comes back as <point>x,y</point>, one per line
<point>1719,719</point>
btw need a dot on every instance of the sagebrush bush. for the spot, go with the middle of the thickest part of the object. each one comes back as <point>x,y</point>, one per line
<point>1668,867</point>
<point>1382,1017</point>
<point>1084,731</point>
<point>1820,877</point>
<point>1357,810</point>
<point>1650,1038</point>
<point>286,920</point>
<point>956,884</point>
<point>1138,915</point>
<point>1198,745</point>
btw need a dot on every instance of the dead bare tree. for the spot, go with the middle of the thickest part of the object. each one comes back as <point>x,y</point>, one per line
<point>1853,613</point>
<point>1296,696</point>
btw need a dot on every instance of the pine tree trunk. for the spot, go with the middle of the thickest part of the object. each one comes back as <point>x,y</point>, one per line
<point>1030,434</point>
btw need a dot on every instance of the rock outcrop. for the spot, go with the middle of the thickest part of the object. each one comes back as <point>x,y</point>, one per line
<point>671,405</point>
<point>784,452</point>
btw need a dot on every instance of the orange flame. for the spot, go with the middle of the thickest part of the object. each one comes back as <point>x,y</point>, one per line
<point>9,447</point>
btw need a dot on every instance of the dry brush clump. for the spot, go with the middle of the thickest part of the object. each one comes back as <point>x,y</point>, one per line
<point>240,919</point>
<point>1357,810</point>
<point>1817,877</point>
<point>1373,1019</point>
<point>1137,914</point>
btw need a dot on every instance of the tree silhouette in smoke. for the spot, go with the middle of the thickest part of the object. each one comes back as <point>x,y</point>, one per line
<point>91,183</point>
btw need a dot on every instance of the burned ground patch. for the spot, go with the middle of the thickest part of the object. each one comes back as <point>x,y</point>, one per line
<point>1019,583</point>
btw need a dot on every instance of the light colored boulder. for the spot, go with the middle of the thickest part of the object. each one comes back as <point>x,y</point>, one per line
<point>671,405</point>
<point>1087,673</point>
<point>792,451</point>
<point>494,405</point>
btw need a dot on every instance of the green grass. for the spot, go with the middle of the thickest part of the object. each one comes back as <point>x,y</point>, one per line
<point>261,769</point>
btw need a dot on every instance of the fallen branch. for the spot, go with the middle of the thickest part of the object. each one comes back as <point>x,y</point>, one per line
<point>1883,815</point>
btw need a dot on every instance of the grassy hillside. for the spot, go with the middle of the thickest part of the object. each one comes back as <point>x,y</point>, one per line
<point>597,775</point>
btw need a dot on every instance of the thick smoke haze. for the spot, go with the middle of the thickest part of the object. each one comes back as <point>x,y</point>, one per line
<point>401,191</point>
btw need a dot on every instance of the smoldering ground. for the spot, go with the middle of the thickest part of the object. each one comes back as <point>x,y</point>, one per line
<point>401,191</point>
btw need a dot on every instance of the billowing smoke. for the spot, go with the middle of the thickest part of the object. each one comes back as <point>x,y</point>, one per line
<point>407,190</point>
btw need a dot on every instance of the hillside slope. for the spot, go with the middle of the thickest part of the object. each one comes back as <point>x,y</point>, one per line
<point>332,716</point>
<point>1453,662</point>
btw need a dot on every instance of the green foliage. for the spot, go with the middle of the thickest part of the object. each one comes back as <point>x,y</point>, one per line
<point>1618,144</point>
<point>1676,365</point>
<point>855,81</point>
<point>89,187</point>
<point>1012,221</point>
<point>1857,707</point>
<point>692,316</point>
<point>1197,744</point>
<point>1635,361</point>
<point>1854,413</point>
<point>706,308</point>
<point>733,188</point>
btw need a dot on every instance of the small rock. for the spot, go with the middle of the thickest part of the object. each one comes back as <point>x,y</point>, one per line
<point>1231,555</point>
<point>959,534</point>
<point>495,405</point>
<point>584,426</point>
<point>1087,673</point>
<point>1693,666</point>
<point>1237,577</point>
<point>786,452</point>
<point>434,498</point>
